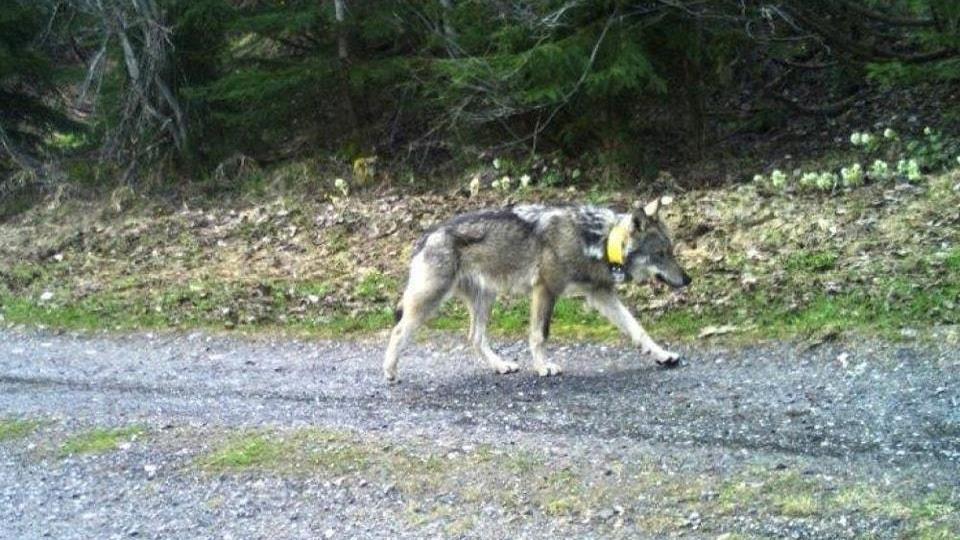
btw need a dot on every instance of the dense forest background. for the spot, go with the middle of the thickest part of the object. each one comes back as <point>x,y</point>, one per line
<point>108,92</point>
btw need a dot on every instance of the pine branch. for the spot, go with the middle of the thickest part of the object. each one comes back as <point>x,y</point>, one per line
<point>884,18</point>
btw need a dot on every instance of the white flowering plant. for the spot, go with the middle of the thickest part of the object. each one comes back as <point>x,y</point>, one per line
<point>887,155</point>
<point>809,180</point>
<point>826,181</point>
<point>866,140</point>
<point>934,150</point>
<point>909,169</point>
<point>879,171</point>
<point>474,185</point>
<point>851,176</point>
<point>341,185</point>
<point>502,183</point>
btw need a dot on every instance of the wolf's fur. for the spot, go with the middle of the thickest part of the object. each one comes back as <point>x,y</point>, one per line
<point>544,251</point>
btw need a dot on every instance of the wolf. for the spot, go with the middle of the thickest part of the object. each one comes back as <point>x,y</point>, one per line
<point>544,251</point>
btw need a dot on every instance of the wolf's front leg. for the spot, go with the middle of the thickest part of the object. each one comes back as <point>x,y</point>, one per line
<point>541,310</point>
<point>613,309</point>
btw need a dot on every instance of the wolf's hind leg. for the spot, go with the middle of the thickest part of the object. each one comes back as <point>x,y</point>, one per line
<point>480,304</point>
<point>541,310</point>
<point>613,309</point>
<point>425,292</point>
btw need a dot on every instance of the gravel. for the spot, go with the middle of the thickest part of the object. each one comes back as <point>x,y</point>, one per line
<point>855,413</point>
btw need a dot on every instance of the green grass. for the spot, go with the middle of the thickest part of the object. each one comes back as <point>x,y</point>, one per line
<point>14,428</point>
<point>811,261</point>
<point>303,452</point>
<point>928,295</point>
<point>244,452</point>
<point>98,441</point>
<point>375,286</point>
<point>952,261</point>
<point>515,480</point>
<point>882,310</point>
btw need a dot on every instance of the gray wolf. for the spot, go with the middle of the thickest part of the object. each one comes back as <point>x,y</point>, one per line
<point>544,251</point>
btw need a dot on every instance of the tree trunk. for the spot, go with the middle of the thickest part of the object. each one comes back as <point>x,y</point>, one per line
<point>693,73</point>
<point>340,13</point>
<point>449,34</point>
<point>343,55</point>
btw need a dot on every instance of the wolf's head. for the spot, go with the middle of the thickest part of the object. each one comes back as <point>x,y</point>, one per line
<point>649,250</point>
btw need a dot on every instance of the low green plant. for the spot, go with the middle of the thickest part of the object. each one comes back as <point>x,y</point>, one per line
<point>14,428</point>
<point>98,441</point>
<point>930,152</point>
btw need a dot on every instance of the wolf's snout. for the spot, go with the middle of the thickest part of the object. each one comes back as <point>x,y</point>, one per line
<point>686,280</point>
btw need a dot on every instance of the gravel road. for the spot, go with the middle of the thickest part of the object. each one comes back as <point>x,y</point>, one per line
<point>842,440</point>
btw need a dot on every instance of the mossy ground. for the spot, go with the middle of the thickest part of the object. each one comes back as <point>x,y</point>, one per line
<point>100,440</point>
<point>519,480</point>
<point>454,488</point>
<point>15,428</point>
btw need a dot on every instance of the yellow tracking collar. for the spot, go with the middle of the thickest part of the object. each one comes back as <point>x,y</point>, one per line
<point>617,242</point>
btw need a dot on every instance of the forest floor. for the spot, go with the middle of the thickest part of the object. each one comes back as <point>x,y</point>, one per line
<point>189,435</point>
<point>165,372</point>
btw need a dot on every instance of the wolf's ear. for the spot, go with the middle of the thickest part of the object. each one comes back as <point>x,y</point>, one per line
<point>653,208</point>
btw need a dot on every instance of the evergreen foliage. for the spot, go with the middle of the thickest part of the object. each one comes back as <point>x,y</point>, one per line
<point>616,79</point>
<point>28,113</point>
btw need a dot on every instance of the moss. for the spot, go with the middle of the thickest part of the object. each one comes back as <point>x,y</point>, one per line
<point>98,441</point>
<point>244,452</point>
<point>301,452</point>
<point>15,428</point>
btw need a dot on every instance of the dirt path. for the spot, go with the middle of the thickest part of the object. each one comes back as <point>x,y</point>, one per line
<point>257,439</point>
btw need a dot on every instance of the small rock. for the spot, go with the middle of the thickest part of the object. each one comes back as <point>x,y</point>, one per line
<point>842,358</point>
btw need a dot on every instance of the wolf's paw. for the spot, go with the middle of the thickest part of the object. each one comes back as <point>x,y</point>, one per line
<point>504,367</point>
<point>666,359</point>
<point>390,376</point>
<point>548,370</point>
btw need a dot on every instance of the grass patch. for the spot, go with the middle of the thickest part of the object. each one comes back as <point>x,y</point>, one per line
<point>883,309</point>
<point>811,261</point>
<point>870,500</point>
<point>244,452</point>
<point>519,482</point>
<point>798,505</point>
<point>14,428</point>
<point>571,320</point>
<point>805,280</point>
<point>952,261</point>
<point>99,441</point>
<point>935,517</point>
<point>305,451</point>
<point>785,493</point>
<point>375,286</point>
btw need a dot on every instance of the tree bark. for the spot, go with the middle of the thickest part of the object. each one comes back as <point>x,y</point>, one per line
<point>449,33</point>
<point>343,55</point>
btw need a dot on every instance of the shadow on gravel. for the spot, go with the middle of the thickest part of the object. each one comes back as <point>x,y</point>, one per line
<point>786,405</point>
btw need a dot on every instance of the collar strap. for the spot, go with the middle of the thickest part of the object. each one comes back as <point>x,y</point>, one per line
<point>617,241</point>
